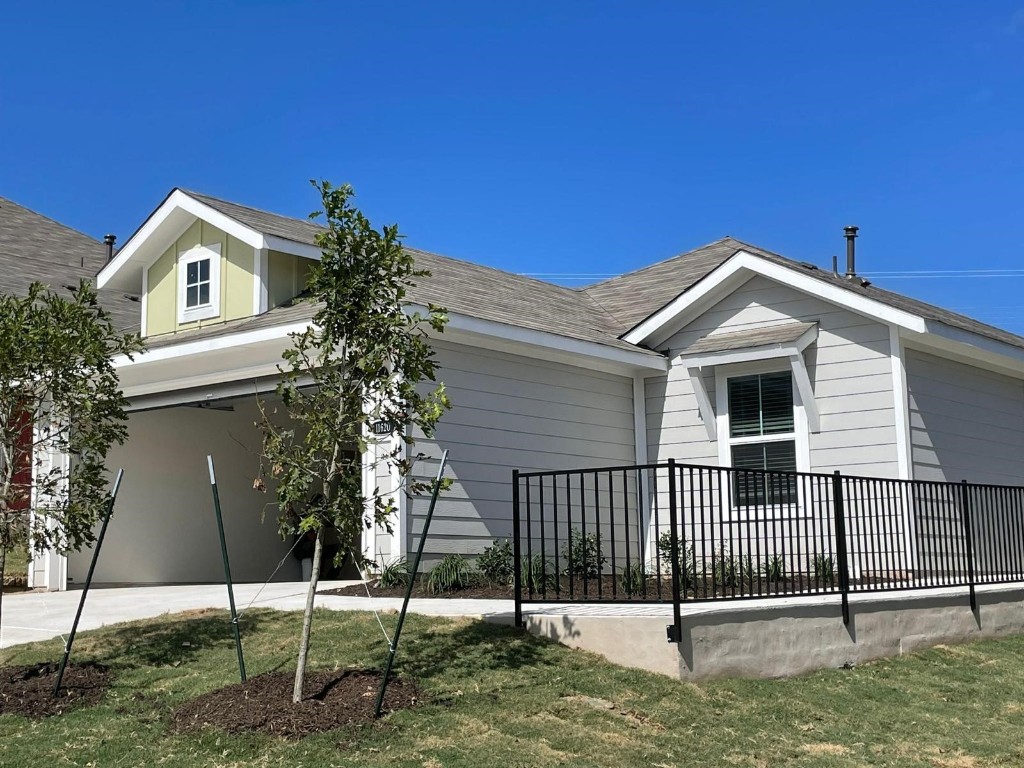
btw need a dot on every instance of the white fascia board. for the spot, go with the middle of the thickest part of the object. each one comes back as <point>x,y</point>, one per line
<point>177,201</point>
<point>676,312</point>
<point>305,250</point>
<point>214,344</point>
<point>542,339</point>
<point>975,345</point>
<point>732,356</point>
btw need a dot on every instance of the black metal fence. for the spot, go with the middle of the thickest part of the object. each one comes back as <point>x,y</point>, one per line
<point>679,533</point>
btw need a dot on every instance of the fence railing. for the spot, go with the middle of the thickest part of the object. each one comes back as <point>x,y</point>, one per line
<point>680,533</point>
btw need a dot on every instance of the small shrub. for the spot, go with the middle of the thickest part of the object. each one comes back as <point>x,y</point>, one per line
<point>632,579</point>
<point>748,571</point>
<point>687,565</point>
<point>450,575</point>
<point>725,569</point>
<point>538,575</point>
<point>394,575</point>
<point>496,562</point>
<point>775,569</point>
<point>583,555</point>
<point>824,569</point>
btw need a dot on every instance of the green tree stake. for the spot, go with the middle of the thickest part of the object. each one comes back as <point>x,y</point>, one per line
<point>88,582</point>
<point>227,568</point>
<point>408,587</point>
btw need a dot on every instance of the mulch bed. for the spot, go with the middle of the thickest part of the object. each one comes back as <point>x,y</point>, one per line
<point>28,690</point>
<point>335,699</point>
<point>485,592</point>
<point>611,589</point>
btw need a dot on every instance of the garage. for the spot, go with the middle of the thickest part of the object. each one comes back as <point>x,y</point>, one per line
<point>164,530</point>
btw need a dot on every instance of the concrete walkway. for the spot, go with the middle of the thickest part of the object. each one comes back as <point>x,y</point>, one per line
<point>31,616</point>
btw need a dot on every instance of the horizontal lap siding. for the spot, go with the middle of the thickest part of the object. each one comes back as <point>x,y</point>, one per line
<point>511,412</point>
<point>965,423</point>
<point>849,366</point>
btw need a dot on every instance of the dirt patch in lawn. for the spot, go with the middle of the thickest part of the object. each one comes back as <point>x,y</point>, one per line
<point>28,690</point>
<point>335,699</point>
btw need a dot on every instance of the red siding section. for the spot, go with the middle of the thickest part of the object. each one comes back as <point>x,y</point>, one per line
<point>23,456</point>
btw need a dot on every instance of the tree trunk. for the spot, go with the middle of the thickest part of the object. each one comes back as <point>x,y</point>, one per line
<point>307,618</point>
<point>3,564</point>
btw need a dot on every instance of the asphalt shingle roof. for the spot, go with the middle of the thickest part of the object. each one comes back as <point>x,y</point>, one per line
<point>785,333</point>
<point>599,313</point>
<point>633,297</point>
<point>458,286</point>
<point>34,248</point>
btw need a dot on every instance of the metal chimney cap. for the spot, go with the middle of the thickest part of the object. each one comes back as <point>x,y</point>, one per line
<point>851,231</point>
<point>110,239</point>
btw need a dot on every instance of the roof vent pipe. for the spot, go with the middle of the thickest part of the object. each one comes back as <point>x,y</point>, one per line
<point>851,262</point>
<point>110,240</point>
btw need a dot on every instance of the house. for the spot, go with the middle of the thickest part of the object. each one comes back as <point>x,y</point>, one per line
<point>34,248</point>
<point>726,355</point>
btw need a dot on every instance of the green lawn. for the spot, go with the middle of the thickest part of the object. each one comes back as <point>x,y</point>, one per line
<point>504,699</point>
<point>16,566</point>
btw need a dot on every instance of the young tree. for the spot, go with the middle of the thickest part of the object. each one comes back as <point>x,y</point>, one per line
<point>59,396</point>
<point>361,361</point>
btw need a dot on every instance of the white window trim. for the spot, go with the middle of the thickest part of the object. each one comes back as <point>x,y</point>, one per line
<point>192,255</point>
<point>800,434</point>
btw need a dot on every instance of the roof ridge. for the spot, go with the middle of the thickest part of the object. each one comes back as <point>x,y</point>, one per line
<point>264,211</point>
<point>634,272</point>
<point>7,200</point>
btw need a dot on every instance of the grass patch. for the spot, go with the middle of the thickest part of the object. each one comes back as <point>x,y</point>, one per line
<point>16,567</point>
<point>500,697</point>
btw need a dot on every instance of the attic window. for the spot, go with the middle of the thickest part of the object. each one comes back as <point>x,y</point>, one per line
<point>199,283</point>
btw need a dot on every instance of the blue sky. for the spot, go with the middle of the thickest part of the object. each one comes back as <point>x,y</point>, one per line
<point>568,138</point>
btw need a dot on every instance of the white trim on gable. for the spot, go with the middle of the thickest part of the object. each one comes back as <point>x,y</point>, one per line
<point>305,250</point>
<point>739,268</point>
<point>173,216</point>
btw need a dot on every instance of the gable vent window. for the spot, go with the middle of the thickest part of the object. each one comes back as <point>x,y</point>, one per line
<point>199,283</point>
<point>762,436</point>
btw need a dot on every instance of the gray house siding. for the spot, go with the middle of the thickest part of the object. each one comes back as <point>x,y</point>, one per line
<point>849,366</point>
<point>512,412</point>
<point>965,423</point>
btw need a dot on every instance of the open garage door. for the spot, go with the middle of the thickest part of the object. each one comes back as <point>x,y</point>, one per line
<point>163,530</point>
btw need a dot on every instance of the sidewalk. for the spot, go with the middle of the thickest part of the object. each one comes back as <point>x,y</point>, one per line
<point>32,616</point>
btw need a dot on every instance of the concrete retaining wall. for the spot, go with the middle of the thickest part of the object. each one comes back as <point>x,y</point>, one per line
<point>779,638</point>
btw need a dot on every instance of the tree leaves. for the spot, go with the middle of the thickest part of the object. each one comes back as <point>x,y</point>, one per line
<point>56,372</point>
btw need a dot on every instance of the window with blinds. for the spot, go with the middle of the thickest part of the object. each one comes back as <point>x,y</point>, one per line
<point>762,437</point>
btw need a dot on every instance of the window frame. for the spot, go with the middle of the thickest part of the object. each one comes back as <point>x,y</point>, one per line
<point>799,435</point>
<point>194,255</point>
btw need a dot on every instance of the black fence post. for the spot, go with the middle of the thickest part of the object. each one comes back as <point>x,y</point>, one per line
<point>844,560</point>
<point>517,573</point>
<point>674,630</point>
<point>966,517</point>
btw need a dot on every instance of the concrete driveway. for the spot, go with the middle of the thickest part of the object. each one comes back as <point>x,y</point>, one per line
<point>31,616</point>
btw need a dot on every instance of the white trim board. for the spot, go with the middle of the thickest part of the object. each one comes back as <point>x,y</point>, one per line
<point>792,353</point>
<point>739,268</point>
<point>901,405</point>
<point>178,212</point>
